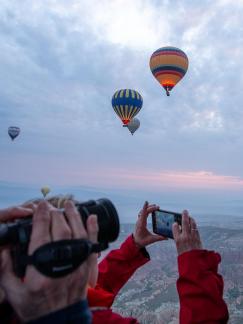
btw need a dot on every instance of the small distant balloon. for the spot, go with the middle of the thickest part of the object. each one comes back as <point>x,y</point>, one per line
<point>13,132</point>
<point>126,103</point>
<point>168,65</point>
<point>133,125</point>
<point>45,191</point>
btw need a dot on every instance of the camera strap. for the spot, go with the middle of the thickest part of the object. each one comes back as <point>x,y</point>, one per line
<point>59,258</point>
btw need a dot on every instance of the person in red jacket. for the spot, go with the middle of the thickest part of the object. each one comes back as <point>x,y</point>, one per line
<point>199,286</point>
<point>117,267</point>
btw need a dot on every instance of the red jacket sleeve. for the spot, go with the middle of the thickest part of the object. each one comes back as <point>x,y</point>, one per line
<point>200,288</point>
<point>119,265</point>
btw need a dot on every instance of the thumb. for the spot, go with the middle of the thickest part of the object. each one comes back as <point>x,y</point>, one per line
<point>157,238</point>
<point>154,238</point>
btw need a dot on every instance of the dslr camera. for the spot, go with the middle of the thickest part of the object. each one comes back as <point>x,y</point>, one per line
<point>59,258</point>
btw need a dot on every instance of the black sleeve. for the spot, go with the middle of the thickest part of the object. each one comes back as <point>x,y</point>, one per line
<point>75,314</point>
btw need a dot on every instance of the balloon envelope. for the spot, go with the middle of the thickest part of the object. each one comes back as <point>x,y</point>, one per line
<point>133,125</point>
<point>126,103</point>
<point>13,132</point>
<point>168,65</point>
<point>45,190</point>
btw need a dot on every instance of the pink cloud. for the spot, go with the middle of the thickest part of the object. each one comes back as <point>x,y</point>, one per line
<point>55,171</point>
<point>195,179</point>
<point>174,179</point>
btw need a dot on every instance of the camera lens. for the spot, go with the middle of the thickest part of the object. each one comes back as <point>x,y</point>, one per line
<point>111,230</point>
<point>107,218</point>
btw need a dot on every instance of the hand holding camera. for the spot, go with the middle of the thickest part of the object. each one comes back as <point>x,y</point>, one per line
<point>59,259</point>
<point>142,236</point>
<point>39,295</point>
<point>187,237</point>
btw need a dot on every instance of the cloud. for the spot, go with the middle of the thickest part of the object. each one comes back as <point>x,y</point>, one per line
<point>61,63</point>
<point>199,180</point>
<point>84,172</point>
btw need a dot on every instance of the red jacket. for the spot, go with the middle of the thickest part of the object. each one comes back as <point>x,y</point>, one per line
<point>114,271</point>
<point>199,286</point>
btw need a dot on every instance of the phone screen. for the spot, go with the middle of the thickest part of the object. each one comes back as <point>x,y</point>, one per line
<point>163,220</point>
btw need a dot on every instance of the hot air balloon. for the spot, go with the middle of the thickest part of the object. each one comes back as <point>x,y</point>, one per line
<point>45,191</point>
<point>126,103</point>
<point>133,125</point>
<point>13,132</point>
<point>168,65</point>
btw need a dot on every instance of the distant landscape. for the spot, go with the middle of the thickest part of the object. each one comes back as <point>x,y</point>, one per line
<point>214,208</point>
<point>151,296</point>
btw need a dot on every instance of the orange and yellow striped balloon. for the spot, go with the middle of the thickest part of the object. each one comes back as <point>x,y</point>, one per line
<point>168,65</point>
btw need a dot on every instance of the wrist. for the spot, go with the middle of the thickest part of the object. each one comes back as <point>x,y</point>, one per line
<point>181,251</point>
<point>136,242</point>
<point>197,261</point>
<point>44,306</point>
<point>75,313</point>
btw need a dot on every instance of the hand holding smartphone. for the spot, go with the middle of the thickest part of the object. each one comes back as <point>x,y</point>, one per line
<point>163,220</point>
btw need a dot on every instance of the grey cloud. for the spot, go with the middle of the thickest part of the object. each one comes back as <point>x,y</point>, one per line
<point>57,82</point>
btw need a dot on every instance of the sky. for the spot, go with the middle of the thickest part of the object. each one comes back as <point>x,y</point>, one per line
<point>61,62</point>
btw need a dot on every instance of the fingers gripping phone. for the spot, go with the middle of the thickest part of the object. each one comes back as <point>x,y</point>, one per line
<point>163,220</point>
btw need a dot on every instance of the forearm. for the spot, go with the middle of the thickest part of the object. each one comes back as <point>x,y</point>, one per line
<point>200,288</point>
<point>119,265</point>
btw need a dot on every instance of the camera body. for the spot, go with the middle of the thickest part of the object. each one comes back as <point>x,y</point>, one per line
<point>17,234</point>
<point>163,220</point>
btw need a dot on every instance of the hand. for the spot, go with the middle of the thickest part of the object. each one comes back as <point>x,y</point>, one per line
<point>8,215</point>
<point>39,295</point>
<point>187,238</point>
<point>142,236</point>
<point>11,213</point>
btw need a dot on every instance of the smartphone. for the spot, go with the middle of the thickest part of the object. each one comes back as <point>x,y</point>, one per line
<point>163,220</point>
